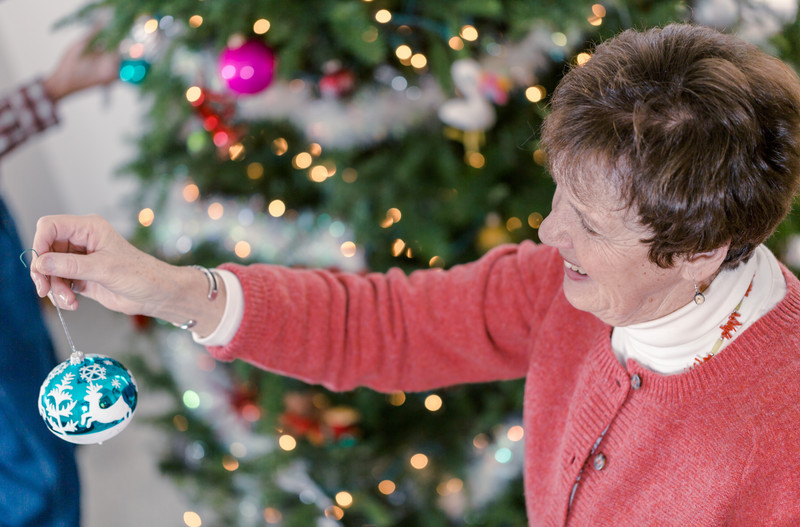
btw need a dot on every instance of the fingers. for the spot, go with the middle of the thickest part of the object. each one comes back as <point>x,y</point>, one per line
<point>61,244</point>
<point>62,294</point>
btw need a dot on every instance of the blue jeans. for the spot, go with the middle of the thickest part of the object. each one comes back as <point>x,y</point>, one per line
<point>38,476</point>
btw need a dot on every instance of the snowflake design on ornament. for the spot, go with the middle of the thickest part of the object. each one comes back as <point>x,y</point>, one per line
<point>93,372</point>
<point>115,383</point>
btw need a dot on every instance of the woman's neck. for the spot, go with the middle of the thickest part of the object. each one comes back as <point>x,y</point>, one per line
<point>694,333</point>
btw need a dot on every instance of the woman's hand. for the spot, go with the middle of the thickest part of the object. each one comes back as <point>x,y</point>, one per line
<point>85,255</point>
<point>81,67</point>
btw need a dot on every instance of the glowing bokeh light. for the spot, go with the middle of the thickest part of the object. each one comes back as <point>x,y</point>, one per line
<point>146,217</point>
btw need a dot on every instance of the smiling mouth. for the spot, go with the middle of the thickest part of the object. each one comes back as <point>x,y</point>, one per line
<point>575,268</point>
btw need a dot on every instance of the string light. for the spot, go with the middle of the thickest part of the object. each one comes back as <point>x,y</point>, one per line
<point>230,463</point>
<point>403,52</point>
<point>456,43</point>
<point>261,26</point>
<point>146,217</point>
<point>503,455</point>
<point>344,499</point>
<point>251,413</point>
<point>276,208</point>
<point>315,149</point>
<point>393,216</point>
<point>272,515</point>
<point>242,249</point>
<point>383,16</point>
<point>387,487</point>
<point>397,247</point>
<point>516,433</point>
<point>220,138</point>
<point>436,261</point>
<point>192,519</point>
<point>236,151</point>
<point>480,441</point>
<point>419,461</point>
<point>302,160</point>
<point>190,192</point>
<point>397,398</point>
<point>280,146</point>
<point>318,174</point>
<point>513,223</point>
<point>535,220</point>
<point>195,21</point>
<point>599,10</point>
<point>535,93</point>
<point>287,442</point>
<point>334,512</point>
<point>433,403</point>
<point>255,170</point>
<point>151,26</point>
<point>469,33</point>
<point>582,58</point>
<point>559,39</point>
<point>216,210</point>
<point>348,249</point>
<point>451,486</point>
<point>191,399</point>
<point>539,157</point>
<point>330,167</point>
<point>419,61</point>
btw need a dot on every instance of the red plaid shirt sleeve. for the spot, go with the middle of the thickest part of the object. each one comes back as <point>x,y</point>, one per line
<point>24,113</point>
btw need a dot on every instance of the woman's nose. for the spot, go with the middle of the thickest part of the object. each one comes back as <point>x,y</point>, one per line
<point>551,232</point>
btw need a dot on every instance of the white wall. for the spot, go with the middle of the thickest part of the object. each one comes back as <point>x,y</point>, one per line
<point>70,169</point>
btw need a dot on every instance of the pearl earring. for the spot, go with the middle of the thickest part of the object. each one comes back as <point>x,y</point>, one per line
<point>699,298</point>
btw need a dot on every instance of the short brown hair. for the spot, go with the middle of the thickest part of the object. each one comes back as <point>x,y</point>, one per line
<point>698,130</point>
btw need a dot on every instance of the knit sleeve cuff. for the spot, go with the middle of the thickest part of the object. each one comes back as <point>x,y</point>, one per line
<point>231,318</point>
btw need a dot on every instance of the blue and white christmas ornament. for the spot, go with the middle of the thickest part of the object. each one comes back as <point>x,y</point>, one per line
<point>88,398</point>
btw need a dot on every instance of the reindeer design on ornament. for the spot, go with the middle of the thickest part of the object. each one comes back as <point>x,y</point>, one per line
<point>96,413</point>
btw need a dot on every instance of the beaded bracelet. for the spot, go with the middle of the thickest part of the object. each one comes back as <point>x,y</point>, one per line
<point>213,291</point>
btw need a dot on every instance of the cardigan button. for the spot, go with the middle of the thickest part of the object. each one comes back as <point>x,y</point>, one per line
<point>599,462</point>
<point>636,381</point>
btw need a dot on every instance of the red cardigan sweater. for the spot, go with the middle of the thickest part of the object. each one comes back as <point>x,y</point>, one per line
<point>718,445</point>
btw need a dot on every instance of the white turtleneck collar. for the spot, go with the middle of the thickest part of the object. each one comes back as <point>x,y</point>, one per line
<point>674,343</point>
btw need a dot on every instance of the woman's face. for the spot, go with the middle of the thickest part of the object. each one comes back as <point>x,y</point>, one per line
<point>606,268</point>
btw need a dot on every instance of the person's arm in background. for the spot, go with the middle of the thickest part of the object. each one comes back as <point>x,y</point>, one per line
<point>32,108</point>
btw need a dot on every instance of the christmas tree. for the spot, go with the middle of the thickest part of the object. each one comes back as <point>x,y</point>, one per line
<point>357,135</point>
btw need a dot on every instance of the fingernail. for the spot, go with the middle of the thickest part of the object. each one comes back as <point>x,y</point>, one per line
<point>64,301</point>
<point>37,285</point>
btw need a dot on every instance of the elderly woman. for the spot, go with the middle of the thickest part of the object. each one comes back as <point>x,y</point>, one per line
<point>658,336</point>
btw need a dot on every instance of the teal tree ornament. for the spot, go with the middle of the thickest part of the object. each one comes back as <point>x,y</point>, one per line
<point>87,398</point>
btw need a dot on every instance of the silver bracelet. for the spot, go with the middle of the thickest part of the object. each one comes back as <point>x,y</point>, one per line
<point>213,285</point>
<point>213,291</point>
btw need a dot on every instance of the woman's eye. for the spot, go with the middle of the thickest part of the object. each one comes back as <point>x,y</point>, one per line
<point>587,228</point>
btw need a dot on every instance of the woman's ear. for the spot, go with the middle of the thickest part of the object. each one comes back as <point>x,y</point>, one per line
<point>702,267</point>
